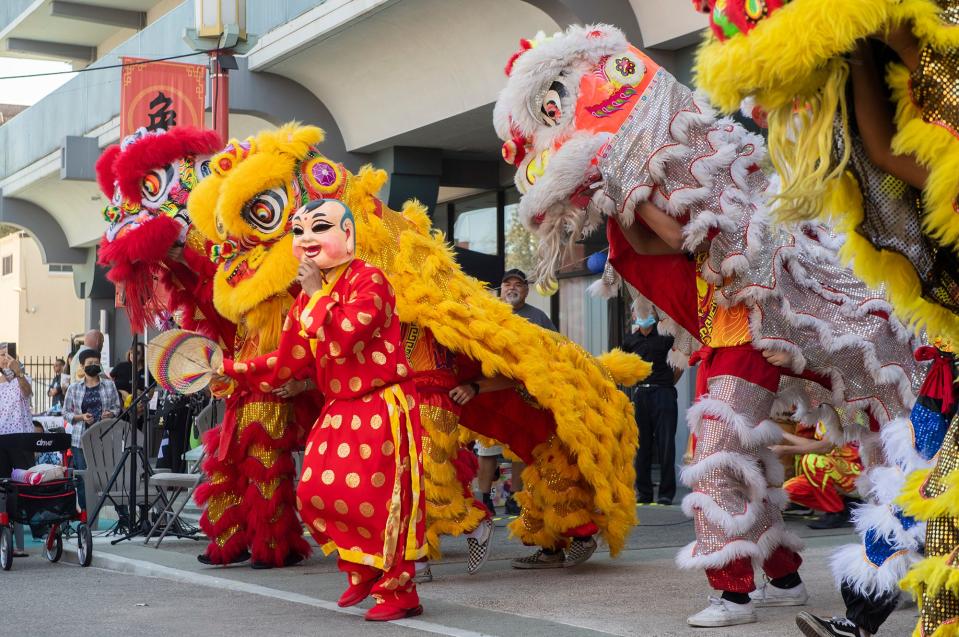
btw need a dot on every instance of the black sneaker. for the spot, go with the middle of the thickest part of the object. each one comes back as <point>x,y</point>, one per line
<point>203,558</point>
<point>511,507</point>
<point>831,521</point>
<point>488,503</point>
<point>812,626</point>
<point>665,501</point>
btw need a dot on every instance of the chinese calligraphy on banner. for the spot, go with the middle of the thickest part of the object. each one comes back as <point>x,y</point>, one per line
<point>161,95</point>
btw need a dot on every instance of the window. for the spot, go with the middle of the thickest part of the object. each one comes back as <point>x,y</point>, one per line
<point>7,265</point>
<point>475,223</point>
<point>57,267</point>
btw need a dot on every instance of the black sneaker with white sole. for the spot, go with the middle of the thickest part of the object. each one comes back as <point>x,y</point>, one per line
<point>812,626</point>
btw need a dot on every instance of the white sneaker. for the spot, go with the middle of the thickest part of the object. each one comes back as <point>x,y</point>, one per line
<point>768,595</point>
<point>721,612</point>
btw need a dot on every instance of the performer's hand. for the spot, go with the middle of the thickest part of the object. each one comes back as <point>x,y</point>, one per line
<point>175,253</point>
<point>310,276</point>
<point>87,418</point>
<point>291,388</point>
<point>779,450</point>
<point>778,358</point>
<point>462,394</point>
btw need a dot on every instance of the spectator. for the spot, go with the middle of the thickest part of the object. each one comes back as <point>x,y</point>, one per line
<point>55,389</point>
<point>825,476</point>
<point>93,339</point>
<point>88,401</point>
<point>656,410</point>
<point>123,375</point>
<point>16,389</point>
<point>46,457</point>
<point>514,289</point>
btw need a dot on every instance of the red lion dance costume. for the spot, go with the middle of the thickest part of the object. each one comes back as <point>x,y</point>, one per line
<point>154,252</point>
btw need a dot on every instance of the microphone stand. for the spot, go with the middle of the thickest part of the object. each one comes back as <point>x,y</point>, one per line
<point>134,453</point>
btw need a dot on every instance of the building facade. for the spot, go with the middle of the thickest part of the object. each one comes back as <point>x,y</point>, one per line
<point>41,311</point>
<point>408,85</point>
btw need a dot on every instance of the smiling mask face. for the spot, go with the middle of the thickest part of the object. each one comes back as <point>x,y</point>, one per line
<point>324,232</point>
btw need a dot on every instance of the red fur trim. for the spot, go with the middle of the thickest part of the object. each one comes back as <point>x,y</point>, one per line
<point>147,244</point>
<point>466,465</point>
<point>524,46</point>
<point>105,172</point>
<point>156,151</point>
<point>134,260</point>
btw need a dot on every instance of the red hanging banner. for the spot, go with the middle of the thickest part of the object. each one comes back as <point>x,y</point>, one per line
<point>161,95</point>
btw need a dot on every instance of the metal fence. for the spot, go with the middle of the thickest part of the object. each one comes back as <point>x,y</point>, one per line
<point>40,369</point>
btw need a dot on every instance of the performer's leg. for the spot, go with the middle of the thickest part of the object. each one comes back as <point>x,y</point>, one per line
<point>556,510</point>
<point>810,493</point>
<point>736,515</point>
<point>274,531</point>
<point>644,455</point>
<point>450,508</point>
<point>868,613</point>
<point>224,517</point>
<point>395,594</point>
<point>664,427</point>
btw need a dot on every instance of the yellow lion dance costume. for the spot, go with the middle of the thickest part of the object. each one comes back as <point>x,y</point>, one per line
<point>580,475</point>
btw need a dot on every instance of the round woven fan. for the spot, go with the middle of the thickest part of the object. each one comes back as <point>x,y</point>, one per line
<point>183,361</point>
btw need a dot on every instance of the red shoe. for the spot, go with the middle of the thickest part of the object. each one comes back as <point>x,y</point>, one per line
<point>387,613</point>
<point>355,593</point>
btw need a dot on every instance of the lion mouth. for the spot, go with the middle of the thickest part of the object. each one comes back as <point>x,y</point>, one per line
<point>240,273</point>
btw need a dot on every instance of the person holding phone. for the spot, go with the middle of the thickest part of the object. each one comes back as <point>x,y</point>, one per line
<point>88,401</point>
<point>16,390</point>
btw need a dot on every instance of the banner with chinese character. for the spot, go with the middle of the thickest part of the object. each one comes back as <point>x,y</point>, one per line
<point>161,95</point>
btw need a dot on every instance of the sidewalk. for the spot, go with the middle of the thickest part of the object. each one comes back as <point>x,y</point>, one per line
<point>639,593</point>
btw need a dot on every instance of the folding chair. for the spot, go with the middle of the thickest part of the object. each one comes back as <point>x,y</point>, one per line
<point>180,486</point>
<point>103,444</point>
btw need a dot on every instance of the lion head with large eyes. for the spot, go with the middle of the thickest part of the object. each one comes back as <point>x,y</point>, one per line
<point>148,179</point>
<point>566,97</point>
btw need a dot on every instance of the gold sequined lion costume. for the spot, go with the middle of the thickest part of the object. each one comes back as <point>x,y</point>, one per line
<point>582,473</point>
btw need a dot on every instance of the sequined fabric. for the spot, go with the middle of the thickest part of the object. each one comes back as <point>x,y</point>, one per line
<point>731,484</point>
<point>942,536</point>
<point>935,87</point>
<point>892,220</point>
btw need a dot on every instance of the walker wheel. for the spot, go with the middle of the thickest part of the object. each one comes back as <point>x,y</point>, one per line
<point>84,545</point>
<point>6,547</point>
<point>53,547</point>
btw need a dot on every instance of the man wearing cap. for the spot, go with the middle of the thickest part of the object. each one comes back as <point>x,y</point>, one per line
<point>514,289</point>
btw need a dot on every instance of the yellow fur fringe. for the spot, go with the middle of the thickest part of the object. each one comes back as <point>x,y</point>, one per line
<point>554,498</point>
<point>784,58</point>
<point>449,511</point>
<point>914,504</point>
<point>935,148</point>
<point>930,577</point>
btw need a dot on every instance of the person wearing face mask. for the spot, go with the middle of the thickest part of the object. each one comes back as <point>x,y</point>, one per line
<point>88,401</point>
<point>656,410</point>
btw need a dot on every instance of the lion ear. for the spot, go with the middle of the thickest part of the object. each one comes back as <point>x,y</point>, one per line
<point>106,174</point>
<point>297,140</point>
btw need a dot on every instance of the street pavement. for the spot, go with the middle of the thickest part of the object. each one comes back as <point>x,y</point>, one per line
<point>142,591</point>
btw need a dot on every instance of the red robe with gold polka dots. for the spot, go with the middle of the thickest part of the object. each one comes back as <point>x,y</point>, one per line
<point>361,488</point>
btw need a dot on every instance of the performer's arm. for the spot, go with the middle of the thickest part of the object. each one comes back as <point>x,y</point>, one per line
<point>270,371</point>
<point>661,234</point>
<point>875,120</point>
<point>462,394</point>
